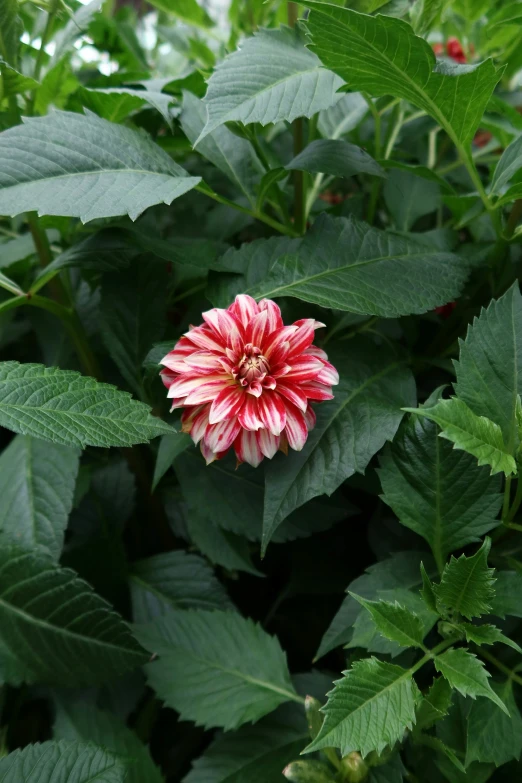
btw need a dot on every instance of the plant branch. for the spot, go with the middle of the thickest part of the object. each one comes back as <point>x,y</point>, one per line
<point>275,224</point>
<point>499,665</point>
<point>376,185</point>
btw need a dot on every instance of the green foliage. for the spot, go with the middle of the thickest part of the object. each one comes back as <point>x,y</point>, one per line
<point>80,762</point>
<point>467,675</point>
<point>395,622</point>
<point>467,585</point>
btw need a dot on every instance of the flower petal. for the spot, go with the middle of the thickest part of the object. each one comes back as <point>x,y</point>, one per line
<point>206,340</point>
<point>304,368</point>
<point>257,329</point>
<point>207,362</point>
<point>303,338</point>
<point>168,377</point>
<point>296,430</point>
<point>276,346</point>
<point>210,456</point>
<point>248,416</point>
<point>316,391</point>
<point>310,418</point>
<point>235,343</point>
<point>184,385</point>
<point>175,359</point>
<point>221,322</point>
<point>272,412</point>
<point>274,314</point>
<point>227,404</point>
<point>313,350</point>
<point>268,443</point>
<point>328,375</point>
<point>208,391</point>
<point>244,308</point>
<point>247,448</point>
<point>220,437</point>
<point>199,423</point>
<point>255,389</point>
<point>294,393</point>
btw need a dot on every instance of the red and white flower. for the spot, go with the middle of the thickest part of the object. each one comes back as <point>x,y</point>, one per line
<point>246,380</point>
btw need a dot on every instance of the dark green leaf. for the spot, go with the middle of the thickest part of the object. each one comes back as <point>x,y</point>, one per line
<point>467,674</point>
<point>37,481</point>
<point>395,622</point>
<point>492,735</point>
<point>434,705</point>
<point>116,103</point>
<point>336,157</point>
<point>508,165</point>
<point>72,762</point>
<point>216,668</point>
<point>343,116</point>
<point>13,82</point>
<point>487,634</point>
<point>466,585</point>
<point>170,447</point>
<point>428,590</point>
<point>508,594</point>
<point>409,197</point>
<point>188,11</point>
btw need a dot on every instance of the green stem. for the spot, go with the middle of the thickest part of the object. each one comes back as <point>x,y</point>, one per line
<point>46,37</point>
<point>516,504</point>
<point>266,164</point>
<point>299,179</point>
<point>507,498</point>
<point>203,188</point>
<point>514,218</point>
<point>396,128</point>
<point>499,665</point>
<point>40,240</point>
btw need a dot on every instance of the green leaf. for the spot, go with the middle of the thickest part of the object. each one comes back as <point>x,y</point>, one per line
<point>13,82</point>
<point>487,634</point>
<point>428,590</point>
<point>508,594</point>
<point>350,429</point>
<point>65,407</point>
<point>508,165</point>
<point>467,675</point>
<point>409,197</point>
<point>232,155</point>
<point>174,580</point>
<point>76,720</point>
<point>434,705</point>
<point>37,482</point>
<point>395,622</point>
<point>116,103</point>
<point>343,116</point>
<point>336,157</point>
<point>170,447</point>
<point>54,629</point>
<point>477,435</point>
<point>273,77</point>
<point>216,668</point>
<point>369,708</point>
<point>425,14</point>
<point>83,166</point>
<point>440,493</point>
<point>341,262</point>
<point>132,317</point>
<point>492,736</point>
<point>188,11</point>
<point>78,22</point>
<point>466,585</point>
<point>489,374</point>
<point>72,762</point>
<point>10,31</point>
<point>382,56</point>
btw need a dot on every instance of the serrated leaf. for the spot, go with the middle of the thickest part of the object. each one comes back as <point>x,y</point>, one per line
<point>489,375</point>
<point>349,431</point>
<point>170,447</point>
<point>427,740</point>
<point>341,262</point>
<point>65,407</point>
<point>477,435</point>
<point>220,546</point>
<point>77,721</point>
<point>216,668</point>
<point>428,590</point>
<point>232,155</point>
<point>508,594</point>
<point>492,736</point>
<point>369,708</point>
<point>508,165</point>
<point>13,82</point>
<point>174,580</point>
<point>467,674</point>
<point>116,103</point>
<point>440,493</point>
<point>54,629</point>
<point>466,585</point>
<point>273,77</point>
<point>72,762</point>
<point>343,116</point>
<point>83,166</point>
<point>37,482</point>
<point>395,622</point>
<point>409,197</point>
<point>487,634</point>
<point>434,705</point>
<point>336,157</point>
<point>382,56</point>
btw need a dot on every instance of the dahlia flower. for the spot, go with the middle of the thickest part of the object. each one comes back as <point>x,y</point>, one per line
<point>246,381</point>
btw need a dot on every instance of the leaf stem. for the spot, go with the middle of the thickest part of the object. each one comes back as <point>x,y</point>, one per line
<point>507,499</point>
<point>376,185</point>
<point>275,224</point>
<point>516,505</point>
<point>275,187</point>
<point>499,665</point>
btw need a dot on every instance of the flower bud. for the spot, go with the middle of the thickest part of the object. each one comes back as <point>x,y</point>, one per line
<point>354,768</point>
<point>313,716</point>
<point>308,772</point>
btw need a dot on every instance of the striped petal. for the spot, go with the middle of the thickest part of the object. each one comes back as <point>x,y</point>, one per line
<point>255,389</point>
<point>210,456</point>
<point>274,314</point>
<point>328,375</point>
<point>303,338</point>
<point>249,416</point>
<point>268,443</point>
<point>313,350</point>
<point>296,430</point>
<point>294,393</point>
<point>276,345</point>
<point>207,392</point>
<point>316,391</point>
<point>221,322</point>
<point>272,412</point>
<point>220,437</point>
<point>304,368</point>
<point>235,344</point>
<point>168,377</point>
<point>257,329</point>
<point>188,416</point>
<point>207,362</point>
<point>310,418</point>
<point>227,404</point>
<point>183,386</point>
<point>247,448</point>
<point>199,424</point>
<point>244,308</point>
<point>175,359</point>
<point>206,340</point>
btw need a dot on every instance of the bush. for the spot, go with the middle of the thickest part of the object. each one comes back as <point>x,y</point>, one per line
<point>289,234</point>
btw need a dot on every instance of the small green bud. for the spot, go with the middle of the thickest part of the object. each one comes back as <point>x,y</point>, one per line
<point>313,716</point>
<point>354,768</point>
<point>308,772</point>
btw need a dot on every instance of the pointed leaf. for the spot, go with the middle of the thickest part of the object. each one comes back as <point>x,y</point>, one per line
<point>508,594</point>
<point>428,590</point>
<point>170,447</point>
<point>336,157</point>
<point>174,580</point>
<point>492,736</point>
<point>434,705</point>
<point>477,435</point>
<point>116,103</point>
<point>466,586</point>
<point>84,166</point>
<point>343,116</point>
<point>71,762</point>
<point>409,197</point>
<point>489,370</point>
<point>64,407</point>
<point>395,622</point>
<point>467,674</point>
<point>14,82</point>
<point>487,634</point>
<point>54,629</point>
<point>508,165</point>
<point>369,708</point>
<point>350,429</point>
<point>273,77</point>
<point>37,482</point>
<point>216,668</point>
<point>382,56</point>
<point>440,493</point>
